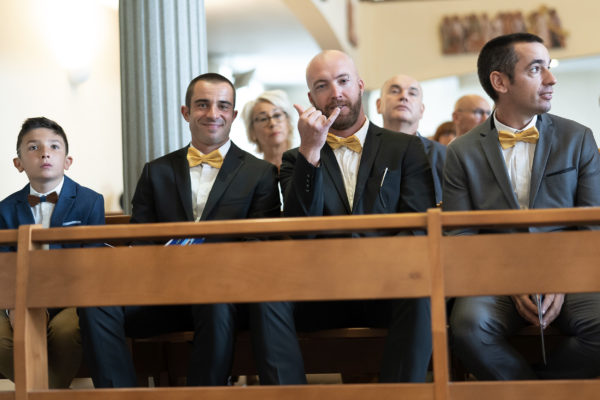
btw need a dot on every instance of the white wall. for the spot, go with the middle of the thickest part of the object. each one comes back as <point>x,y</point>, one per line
<point>35,42</point>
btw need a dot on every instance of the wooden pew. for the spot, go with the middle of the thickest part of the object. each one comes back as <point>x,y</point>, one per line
<point>493,264</point>
<point>8,263</point>
<point>431,265</point>
<point>123,275</point>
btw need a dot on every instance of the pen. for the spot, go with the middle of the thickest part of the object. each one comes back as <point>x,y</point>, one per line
<point>383,177</point>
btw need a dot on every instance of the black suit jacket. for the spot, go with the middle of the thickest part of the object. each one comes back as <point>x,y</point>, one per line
<point>245,187</point>
<point>407,187</point>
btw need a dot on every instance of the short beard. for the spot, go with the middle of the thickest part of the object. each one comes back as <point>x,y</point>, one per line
<point>343,122</point>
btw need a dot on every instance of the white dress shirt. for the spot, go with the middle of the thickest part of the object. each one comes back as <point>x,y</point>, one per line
<point>203,177</point>
<point>519,161</point>
<point>349,161</point>
<point>42,212</point>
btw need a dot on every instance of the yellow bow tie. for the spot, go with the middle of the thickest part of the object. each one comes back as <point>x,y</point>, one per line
<point>350,142</point>
<point>509,139</point>
<point>214,158</point>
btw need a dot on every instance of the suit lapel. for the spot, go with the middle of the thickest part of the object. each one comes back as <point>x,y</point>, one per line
<point>372,142</point>
<point>24,214</point>
<point>541,154</point>
<point>330,164</point>
<point>65,202</point>
<point>231,165</point>
<point>182,181</point>
<point>491,149</point>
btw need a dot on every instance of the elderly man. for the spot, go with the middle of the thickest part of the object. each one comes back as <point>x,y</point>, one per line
<point>401,105</point>
<point>469,111</point>
<point>345,165</point>
<point>520,158</point>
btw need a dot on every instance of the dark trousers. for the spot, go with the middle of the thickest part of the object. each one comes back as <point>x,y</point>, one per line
<point>480,327</point>
<point>407,347</point>
<point>104,331</point>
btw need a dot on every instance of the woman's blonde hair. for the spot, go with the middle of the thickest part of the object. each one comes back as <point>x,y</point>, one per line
<point>280,100</point>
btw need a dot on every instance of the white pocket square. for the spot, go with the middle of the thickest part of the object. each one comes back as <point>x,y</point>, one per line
<point>71,223</point>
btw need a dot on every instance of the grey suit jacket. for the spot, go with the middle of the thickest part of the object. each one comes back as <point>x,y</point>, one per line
<point>436,154</point>
<point>565,171</point>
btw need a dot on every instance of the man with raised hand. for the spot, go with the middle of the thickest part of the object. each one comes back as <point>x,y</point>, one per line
<point>345,165</point>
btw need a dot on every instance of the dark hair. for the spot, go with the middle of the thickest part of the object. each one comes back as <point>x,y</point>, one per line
<point>41,122</point>
<point>499,55</point>
<point>208,77</point>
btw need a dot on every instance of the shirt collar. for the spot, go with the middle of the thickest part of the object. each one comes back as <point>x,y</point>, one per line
<point>223,149</point>
<point>501,127</point>
<point>57,189</point>
<point>361,134</point>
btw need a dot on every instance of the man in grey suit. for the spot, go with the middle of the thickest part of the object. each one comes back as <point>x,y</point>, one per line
<point>345,165</point>
<point>520,158</point>
<point>401,105</point>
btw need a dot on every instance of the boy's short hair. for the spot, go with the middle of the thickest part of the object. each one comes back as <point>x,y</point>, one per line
<point>41,122</point>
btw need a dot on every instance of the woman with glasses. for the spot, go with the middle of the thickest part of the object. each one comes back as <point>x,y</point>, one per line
<point>269,124</point>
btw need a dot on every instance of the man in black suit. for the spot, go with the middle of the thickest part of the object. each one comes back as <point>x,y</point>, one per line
<point>401,105</point>
<point>378,172</point>
<point>210,179</point>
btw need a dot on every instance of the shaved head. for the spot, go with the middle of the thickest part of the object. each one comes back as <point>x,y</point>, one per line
<point>469,111</point>
<point>401,104</point>
<point>333,82</point>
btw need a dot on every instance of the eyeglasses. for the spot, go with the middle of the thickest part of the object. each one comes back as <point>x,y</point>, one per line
<point>479,112</point>
<point>264,119</point>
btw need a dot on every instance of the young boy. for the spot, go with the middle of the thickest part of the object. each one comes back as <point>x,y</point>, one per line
<point>52,200</point>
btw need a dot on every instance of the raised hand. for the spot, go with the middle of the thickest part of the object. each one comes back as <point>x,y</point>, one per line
<point>313,126</point>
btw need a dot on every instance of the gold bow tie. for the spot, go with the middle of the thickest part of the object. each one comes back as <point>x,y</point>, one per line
<point>350,142</point>
<point>214,158</point>
<point>509,139</point>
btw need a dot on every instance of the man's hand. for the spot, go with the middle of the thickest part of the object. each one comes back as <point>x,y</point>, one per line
<point>526,308</point>
<point>313,126</point>
<point>551,306</point>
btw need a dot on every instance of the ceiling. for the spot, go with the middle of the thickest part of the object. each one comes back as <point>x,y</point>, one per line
<point>259,34</point>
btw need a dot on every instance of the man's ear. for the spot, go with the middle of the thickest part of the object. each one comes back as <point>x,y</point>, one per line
<point>378,104</point>
<point>499,81</point>
<point>68,162</point>
<point>186,113</point>
<point>17,164</point>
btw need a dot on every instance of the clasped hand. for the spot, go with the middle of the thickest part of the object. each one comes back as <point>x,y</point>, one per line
<point>551,306</point>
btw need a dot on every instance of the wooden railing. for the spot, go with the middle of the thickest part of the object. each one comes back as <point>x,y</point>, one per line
<point>433,265</point>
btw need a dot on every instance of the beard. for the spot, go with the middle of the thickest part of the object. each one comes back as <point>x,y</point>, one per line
<point>343,122</point>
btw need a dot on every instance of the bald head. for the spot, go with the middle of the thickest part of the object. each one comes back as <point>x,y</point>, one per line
<point>401,104</point>
<point>326,60</point>
<point>469,111</point>
<point>333,82</point>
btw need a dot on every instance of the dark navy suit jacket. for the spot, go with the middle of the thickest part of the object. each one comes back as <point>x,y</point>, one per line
<point>76,205</point>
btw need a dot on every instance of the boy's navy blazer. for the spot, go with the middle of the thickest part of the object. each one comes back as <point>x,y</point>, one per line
<point>76,205</point>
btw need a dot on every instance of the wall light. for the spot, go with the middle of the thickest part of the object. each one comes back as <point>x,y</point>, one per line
<point>72,30</point>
